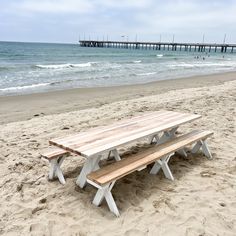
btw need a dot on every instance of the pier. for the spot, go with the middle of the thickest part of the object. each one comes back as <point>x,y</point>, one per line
<point>191,47</point>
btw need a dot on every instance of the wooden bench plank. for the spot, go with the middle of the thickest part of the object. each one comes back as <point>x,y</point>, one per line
<point>128,165</point>
<point>54,152</point>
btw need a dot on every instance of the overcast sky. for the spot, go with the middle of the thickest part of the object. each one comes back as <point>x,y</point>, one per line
<point>67,20</point>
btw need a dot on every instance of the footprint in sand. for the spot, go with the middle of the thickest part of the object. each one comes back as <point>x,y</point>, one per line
<point>207,173</point>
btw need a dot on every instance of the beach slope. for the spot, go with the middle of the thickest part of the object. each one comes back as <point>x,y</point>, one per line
<point>201,200</point>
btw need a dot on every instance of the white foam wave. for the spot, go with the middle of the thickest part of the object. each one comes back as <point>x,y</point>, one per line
<point>146,74</point>
<point>24,87</point>
<point>198,65</point>
<point>67,65</point>
<point>138,61</point>
<point>186,65</point>
<point>159,55</point>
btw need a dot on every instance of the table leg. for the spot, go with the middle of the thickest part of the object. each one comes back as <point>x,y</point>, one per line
<point>169,135</point>
<point>116,154</point>
<point>90,165</point>
<point>153,139</point>
<point>113,154</point>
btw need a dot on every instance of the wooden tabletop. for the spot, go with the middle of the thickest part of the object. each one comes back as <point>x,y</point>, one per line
<point>109,137</point>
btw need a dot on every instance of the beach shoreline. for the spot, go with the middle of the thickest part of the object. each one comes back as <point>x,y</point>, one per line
<point>24,107</point>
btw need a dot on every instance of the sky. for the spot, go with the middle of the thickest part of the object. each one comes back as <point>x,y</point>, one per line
<point>67,21</point>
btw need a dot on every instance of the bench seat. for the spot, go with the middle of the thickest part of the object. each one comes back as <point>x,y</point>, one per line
<point>54,152</point>
<point>55,156</point>
<point>126,166</point>
<point>105,177</point>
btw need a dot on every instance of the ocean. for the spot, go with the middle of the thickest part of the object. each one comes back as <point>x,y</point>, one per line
<point>39,67</point>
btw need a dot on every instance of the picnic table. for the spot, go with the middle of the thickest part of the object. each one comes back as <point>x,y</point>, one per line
<point>107,139</point>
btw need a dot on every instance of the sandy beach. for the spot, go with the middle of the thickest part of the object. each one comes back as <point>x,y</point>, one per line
<point>201,200</point>
<point>25,107</point>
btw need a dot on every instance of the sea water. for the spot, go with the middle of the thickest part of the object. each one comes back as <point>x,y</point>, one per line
<point>39,67</point>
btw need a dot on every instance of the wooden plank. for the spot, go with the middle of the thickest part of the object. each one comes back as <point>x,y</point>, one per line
<point>126,133</point>
<point>124,130</point>
<point>114,126</point>
<point>85,145</point>
<point>133,137</point>
<point>117,124</point>
<point>128,165</point>
<point>54,152</point>
<point>82,146</point>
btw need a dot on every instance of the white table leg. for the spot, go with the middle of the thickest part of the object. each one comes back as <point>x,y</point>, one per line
<point>182,152</point>
<point>196,147</point>
<point>167,135</point>
<point>153,139</point>
<point>113,154</point>
<point>116,154</point>
<point>90,165</point>
<point>109,156</point>
<point>156,167</point>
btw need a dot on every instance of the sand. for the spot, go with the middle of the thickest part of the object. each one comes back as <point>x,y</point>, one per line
<point>17,108</point>
<point>201,200</point>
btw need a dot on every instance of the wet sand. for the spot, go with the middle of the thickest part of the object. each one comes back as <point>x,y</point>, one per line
<point>24,107</point>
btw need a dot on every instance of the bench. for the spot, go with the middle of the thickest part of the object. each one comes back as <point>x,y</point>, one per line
<point>104,178</point>
<point>55,156</point>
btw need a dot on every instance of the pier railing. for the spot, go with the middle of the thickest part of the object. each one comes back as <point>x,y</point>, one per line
<point>196,47</point>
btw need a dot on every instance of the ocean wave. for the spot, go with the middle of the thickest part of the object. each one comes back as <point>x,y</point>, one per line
<point>185,65</point>
<point>2,68</point>
<point>67,65</point>
<point>198,65</point>
<point>25,87</point>
<point>159,55</point>
<point>146,74</point>
<point>138,61</point>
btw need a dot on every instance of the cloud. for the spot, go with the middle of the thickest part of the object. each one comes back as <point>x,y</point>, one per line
<point>75,6</point>
<point>188,18</point>
<point>147,18</point>
<point>53,6</point>
<point>123,4</point>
